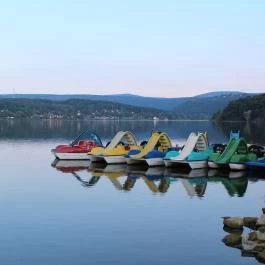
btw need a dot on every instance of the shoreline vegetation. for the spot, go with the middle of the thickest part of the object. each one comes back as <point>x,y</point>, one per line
<point>78,109</point>
<point>120,106</point>
<point>102,119</point>
<point>248,109</point>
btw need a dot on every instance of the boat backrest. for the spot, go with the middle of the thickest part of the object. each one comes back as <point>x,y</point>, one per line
<point>234,135</point>
<point>121,135</point>
<point>202,142</point>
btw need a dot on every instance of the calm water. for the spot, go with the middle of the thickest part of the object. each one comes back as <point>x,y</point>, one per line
<point>75,213</point>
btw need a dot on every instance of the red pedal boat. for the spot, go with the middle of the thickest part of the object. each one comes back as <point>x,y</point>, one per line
<point>78,149</point>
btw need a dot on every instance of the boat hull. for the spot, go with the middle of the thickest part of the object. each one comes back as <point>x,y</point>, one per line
<point>237,166</point>
<point>151,162</point>
<point>72,156</point>
<point>154,162</point>
<point>191,164</point>
<point>256,165</point>
<point>198,164</point>
<point>115,159</point>
<point>212,164</point>
<point>169,163</point>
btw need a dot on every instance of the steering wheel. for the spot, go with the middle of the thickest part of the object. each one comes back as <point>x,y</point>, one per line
<point>257,149</point>
<point>219,148</point>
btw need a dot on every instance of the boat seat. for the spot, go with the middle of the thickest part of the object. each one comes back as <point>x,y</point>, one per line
<point>83,143</point>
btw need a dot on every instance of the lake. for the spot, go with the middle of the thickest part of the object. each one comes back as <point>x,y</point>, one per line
<point>78,213</point>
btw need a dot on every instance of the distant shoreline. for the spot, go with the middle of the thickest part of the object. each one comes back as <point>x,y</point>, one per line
<point>63,119</point>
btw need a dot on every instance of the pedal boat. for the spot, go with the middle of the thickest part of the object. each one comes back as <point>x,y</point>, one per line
<point>153,151</point>
<point>194,154</point>
<point>235,156</point>
<point>260,164</point>
<point>218,149</point>
<point>78,149</point>
<point>117,149</point>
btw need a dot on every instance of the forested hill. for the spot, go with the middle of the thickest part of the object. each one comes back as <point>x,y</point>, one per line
<point>221,98</point>
<point>77,108</point>
<point>205,105</point>
<point>251,108</point>
<point>199,107</point>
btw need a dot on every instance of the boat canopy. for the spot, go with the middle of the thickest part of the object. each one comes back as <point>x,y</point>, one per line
<point>120,136</point>
<point>87,134</point>
<point>157,139</point>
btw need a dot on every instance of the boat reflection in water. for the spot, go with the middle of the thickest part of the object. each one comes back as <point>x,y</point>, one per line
<point>157,179</point>
<point>74,167</point>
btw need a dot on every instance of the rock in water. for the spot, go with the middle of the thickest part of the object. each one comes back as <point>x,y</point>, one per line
<point>234,222</point>
<point>261,234</point>
<point>261,220</point>
<point>262,229</point>
<point>250,222</point>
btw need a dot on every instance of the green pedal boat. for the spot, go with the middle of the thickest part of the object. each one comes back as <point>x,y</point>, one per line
<point>234,156</point>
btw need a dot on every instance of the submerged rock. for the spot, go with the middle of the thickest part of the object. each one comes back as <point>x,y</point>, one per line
<point>234,222</point>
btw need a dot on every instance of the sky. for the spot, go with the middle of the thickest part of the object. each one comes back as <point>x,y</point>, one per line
<point>164,48</point>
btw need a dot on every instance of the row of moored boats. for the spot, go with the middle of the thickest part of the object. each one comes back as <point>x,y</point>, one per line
<point>158,151</point>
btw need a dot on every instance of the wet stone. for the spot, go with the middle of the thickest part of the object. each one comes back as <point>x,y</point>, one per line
<point>232,230</point>
<point>250,222</point>
<point>261,220</point>
<point>261,229</point>
<point>260,236</point>
<point>234,222</point>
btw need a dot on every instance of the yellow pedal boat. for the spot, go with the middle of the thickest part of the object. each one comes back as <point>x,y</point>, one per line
<point>117,149</point>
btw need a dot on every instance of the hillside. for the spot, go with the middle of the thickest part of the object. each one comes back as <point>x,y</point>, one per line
<point>77,109</point>
<point>200,106</point>
<point>204,106</point>
<point>135,100</point>
<point>251,108</point>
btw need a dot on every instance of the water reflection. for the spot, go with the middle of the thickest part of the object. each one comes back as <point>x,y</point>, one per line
<point>252,132</point>
<point>64,129</point>
<point>67,129</point>
<point>158,179</point>
<point>246,234</point>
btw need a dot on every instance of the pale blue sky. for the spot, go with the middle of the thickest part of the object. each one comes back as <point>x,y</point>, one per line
<point>156,48</point>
